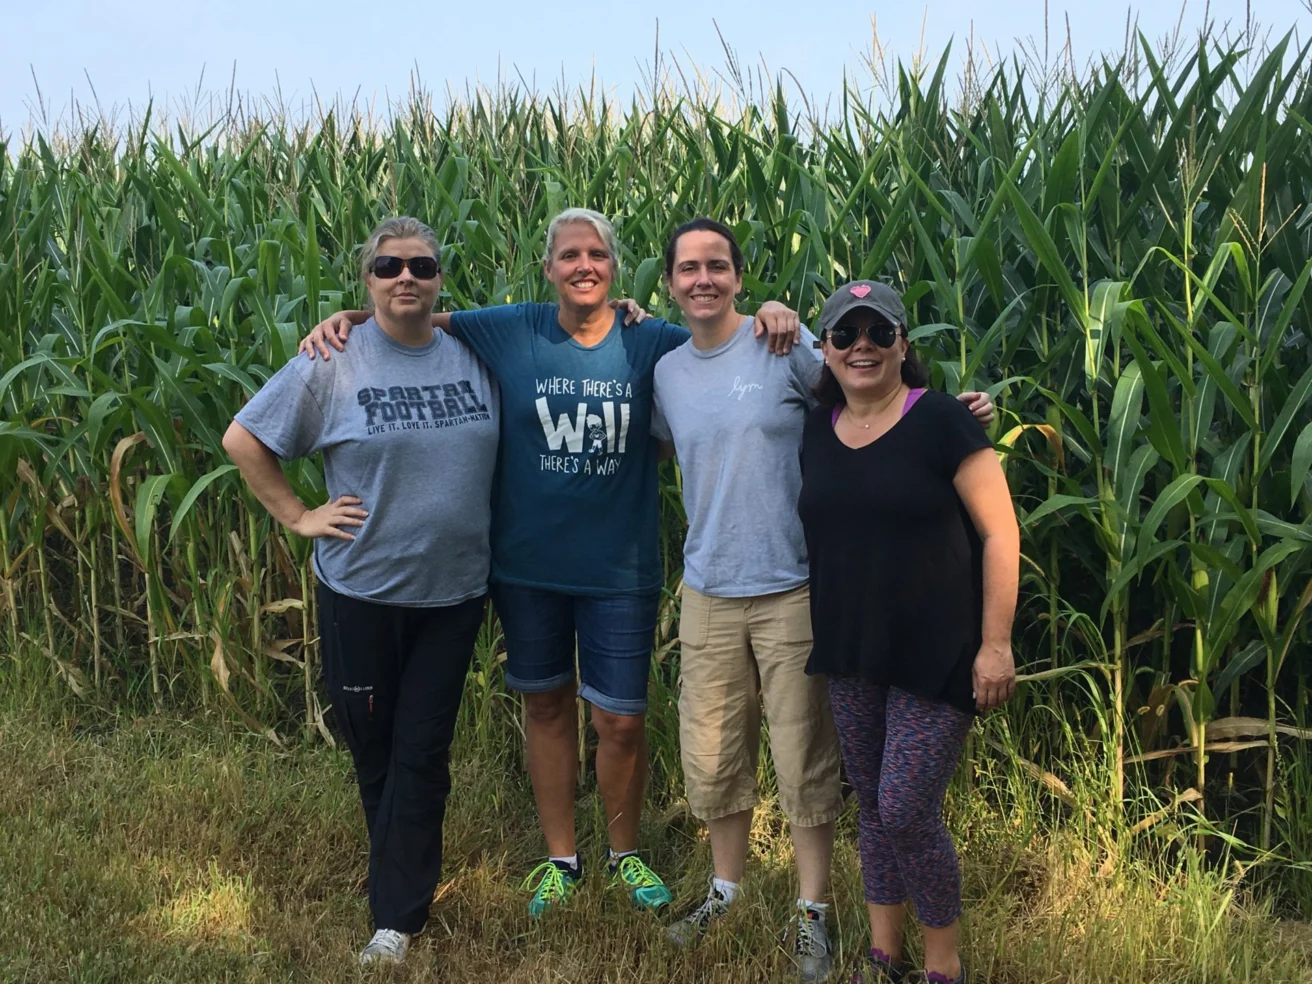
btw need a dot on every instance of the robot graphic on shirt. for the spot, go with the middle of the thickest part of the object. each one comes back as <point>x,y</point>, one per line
<point>596,434</point>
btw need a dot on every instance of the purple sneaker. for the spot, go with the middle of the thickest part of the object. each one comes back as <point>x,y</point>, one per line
<point>934,977</point>
<point>879,969</point>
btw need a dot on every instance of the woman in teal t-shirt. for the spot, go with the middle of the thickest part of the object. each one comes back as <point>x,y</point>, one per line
<point>575,561</point>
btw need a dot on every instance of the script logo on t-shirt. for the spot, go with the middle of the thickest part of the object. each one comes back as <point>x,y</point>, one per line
<point>741,389</point>
<point>590,436</point>
<point>390,408</point>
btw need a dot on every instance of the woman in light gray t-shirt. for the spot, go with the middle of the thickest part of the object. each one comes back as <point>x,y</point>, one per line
<point>407,423</point>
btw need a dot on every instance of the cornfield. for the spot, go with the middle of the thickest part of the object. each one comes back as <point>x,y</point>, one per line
<point>1121,259</point>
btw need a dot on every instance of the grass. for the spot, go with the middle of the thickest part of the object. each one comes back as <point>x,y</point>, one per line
<point>168,849</point>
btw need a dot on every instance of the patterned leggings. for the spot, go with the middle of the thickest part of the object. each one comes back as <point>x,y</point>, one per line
<point>899,752</point>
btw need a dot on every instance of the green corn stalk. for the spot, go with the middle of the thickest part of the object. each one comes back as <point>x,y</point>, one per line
<point>1121,261</point>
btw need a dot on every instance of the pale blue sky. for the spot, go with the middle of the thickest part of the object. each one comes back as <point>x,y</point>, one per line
<point>132,49</point>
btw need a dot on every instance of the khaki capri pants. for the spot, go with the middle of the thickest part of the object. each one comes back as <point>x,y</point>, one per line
<point>737,655</point>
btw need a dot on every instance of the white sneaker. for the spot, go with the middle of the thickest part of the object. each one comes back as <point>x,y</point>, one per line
<point>387,946</point>
<point>815,960</point>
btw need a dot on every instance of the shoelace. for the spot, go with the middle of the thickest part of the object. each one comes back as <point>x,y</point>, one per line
<point>708,910</point>
<point>389,941</point>
<point>812,940</point>
<point>637,874</point>
<point>552,884</point>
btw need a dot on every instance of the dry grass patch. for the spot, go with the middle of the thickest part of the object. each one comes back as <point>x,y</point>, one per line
<point>168,850</point>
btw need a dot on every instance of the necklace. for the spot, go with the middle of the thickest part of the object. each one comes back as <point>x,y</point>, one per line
<point>888,403</point>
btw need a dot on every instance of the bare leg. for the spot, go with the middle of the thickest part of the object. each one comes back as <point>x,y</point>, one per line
<point>941,950</point>
<point>888,928</point>
<point>621,773</point>
<point>729,844</point>
<point>813,848</point>
<point>552,738</point>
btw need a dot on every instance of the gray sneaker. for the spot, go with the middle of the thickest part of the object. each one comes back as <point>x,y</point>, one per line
<point>694,925</point>
<point>815,961</point>
<point>387,946</point>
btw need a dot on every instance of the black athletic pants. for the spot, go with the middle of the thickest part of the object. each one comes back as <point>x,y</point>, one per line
<point>395,677</point>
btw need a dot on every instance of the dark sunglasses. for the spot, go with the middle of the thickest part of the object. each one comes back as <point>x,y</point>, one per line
<point>882,333</point>
<point>390,267</point>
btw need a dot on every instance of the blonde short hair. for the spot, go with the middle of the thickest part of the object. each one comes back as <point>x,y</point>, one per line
<point>595,219</point>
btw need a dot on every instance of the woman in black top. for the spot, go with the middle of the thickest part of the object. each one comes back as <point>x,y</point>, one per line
<point>915,556</point>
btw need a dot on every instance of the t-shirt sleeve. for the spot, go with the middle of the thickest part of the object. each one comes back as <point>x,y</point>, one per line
<point>672,336</point>
<point>660,427</point>
<point>491,332</point>
<point>957,433</point>
<point>805,362</point>
<point>287,415</point>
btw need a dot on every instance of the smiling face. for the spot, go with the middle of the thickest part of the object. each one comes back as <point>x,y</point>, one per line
<point>580,267</point>
<point>703,282</point>
<point>405,297</point>
<point>865,368</point>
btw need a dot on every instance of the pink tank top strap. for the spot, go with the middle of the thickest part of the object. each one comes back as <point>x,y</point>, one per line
<point>912,397</point>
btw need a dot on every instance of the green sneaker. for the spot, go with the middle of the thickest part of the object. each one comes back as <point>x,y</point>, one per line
<point>555,886</point>
<point>644,885</point>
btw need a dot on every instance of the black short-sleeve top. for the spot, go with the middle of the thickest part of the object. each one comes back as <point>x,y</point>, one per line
<point>896,564</point>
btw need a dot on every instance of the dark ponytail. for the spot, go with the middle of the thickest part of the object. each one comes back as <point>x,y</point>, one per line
<point>914,372</point>
<point>827,391</point>
<point>829,394</point>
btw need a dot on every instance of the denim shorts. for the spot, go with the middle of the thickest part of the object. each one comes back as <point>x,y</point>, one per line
<point>614,636</point>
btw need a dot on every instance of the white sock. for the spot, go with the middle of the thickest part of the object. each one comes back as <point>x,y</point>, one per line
<point>616,855</point>
<point>724,889</point>
<point>819,908</point>
<point>572,861</point>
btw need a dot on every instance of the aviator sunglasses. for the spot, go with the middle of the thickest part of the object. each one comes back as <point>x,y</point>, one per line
<point>882,333</point>
<point>390,267</point>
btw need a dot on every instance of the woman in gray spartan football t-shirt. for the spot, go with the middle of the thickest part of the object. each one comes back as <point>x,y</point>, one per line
<point>407,422</point>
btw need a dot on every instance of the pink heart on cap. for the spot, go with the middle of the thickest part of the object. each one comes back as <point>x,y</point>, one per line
<point>861,290</point>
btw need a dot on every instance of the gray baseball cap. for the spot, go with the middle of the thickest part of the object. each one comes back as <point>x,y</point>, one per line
<point>880,298</point>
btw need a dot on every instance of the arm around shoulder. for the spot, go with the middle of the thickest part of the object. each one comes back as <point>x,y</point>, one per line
<point>806,364</point>
<point>331,331</point>
<point>494,332</point>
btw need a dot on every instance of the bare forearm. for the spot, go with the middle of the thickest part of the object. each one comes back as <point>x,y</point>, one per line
<point>441,319</point>
<point>259,466</point>
<point>1001,585</point>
